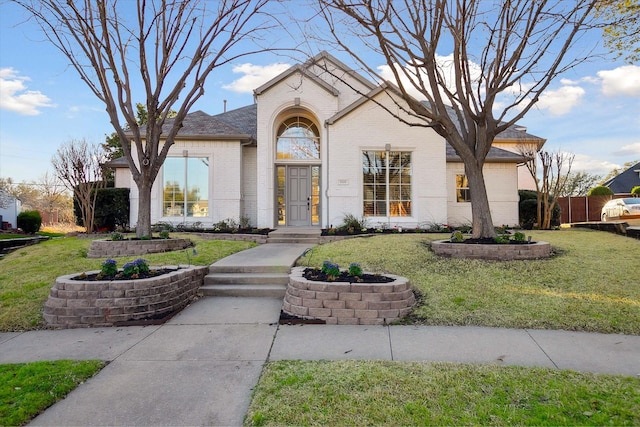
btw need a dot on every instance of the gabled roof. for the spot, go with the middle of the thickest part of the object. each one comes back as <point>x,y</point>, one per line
<point>303,69</point>
<point>625,182</point>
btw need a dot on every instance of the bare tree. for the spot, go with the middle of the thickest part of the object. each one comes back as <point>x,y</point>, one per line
<point>551,175</point>
<point>164,48</point>
<point>504,55</point>
<point>555,169</point>
<point>78,165</point>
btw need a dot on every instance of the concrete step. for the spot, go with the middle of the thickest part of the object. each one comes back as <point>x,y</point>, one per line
<point>289,239</point>
<point>242,269</point>
<point>247,290</point>
<point>246,278</point>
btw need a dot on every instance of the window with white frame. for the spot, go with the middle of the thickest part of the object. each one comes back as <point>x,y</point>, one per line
<point>186,187</point>
<point>462,189</point>
<point>386,178</point>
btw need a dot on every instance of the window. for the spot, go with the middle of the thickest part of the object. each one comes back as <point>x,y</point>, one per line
<point>386,183</point>
<point>298,139</point>
<point>186,187</point>
<point>462,189</point>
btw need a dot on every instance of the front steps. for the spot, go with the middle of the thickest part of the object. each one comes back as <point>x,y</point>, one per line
<point>262,271</point>
<point>245,282</point>
<point>309,236</point>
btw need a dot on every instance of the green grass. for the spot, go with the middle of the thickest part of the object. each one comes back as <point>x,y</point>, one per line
<point>590,285</point>
<point>350,393</point>
<point>12,236</point>
<point>26,389</point>
<point>26,275</point>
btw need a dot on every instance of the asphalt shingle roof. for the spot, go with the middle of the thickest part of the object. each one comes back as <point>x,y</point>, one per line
<point>625,182</point>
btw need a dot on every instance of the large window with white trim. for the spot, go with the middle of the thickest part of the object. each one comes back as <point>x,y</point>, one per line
<point>186,187</point>
<point>386,178</point>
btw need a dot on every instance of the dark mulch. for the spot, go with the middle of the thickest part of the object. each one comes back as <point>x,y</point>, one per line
<point>98,277</point>
<point>491,241</point>
<point>318,275</point>
<point>290,319</point>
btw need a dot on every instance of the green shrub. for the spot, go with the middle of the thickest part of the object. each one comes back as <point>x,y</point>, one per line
<point>636,190</point>
<point>111,211</point>
<point>528,207</point>
<point>353,224</point>
<point>600,190</point>
<point>519,237</point>
<point>29,221</point>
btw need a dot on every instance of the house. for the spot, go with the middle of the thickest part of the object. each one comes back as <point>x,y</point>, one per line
<point>10,207</point>
<point>624,183</point>
<point>317,144</point>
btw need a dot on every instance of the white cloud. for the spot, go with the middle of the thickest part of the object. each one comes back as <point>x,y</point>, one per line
<point>562,100</point>
<point>14,95</point>
<point>254,76</point>
<point>630,150</point>
<point>592,165</point>
<point>623,80</point>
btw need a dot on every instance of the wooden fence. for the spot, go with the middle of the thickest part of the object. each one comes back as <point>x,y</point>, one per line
<point>584,208</point>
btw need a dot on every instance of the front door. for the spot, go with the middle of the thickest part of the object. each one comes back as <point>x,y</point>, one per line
<point>298,196</point>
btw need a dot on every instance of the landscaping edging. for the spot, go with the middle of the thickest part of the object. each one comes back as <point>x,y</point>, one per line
<point>495,252</point>
<point>341,303</point>
<point>83,303</point>
<point>114,248</point>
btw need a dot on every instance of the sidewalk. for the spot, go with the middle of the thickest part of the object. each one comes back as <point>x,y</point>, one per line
<point>201,366</point>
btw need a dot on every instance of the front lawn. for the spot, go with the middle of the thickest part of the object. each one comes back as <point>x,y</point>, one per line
<point>26,275</point>
<point>590,285</point>
<point>357,393</point>
<point>26,389</point>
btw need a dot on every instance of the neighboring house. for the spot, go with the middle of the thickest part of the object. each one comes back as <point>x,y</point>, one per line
<point>9,209</point>
<point>624,183</point>
<point>314,148</point>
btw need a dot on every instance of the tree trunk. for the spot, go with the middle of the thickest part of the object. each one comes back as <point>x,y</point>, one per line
<point>143,226</point>
<point>481,212</point>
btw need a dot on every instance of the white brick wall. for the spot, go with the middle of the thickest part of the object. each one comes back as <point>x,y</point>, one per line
<point>502,188</point>
<point>250,184</point>
<point>370,128</point>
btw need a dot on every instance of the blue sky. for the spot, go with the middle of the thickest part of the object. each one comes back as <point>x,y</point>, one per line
<point>592,112</point>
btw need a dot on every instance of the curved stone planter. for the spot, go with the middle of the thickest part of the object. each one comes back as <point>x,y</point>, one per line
<point>341,303</point>
<point>83,303</point>
<point>496,252</point>
<point>112,248</point>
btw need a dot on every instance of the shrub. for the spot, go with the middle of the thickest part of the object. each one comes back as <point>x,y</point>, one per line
<point>600,190</point>
<point>636,190</point>
<point>116,236</point>
<point>29,221</point>
<point>519,237</point>
<point>527,209</point>
<point>331,270</point>
<point>164,234</point>
<point>111,210</point>
<point>353,223</point>
<point>355,269</point>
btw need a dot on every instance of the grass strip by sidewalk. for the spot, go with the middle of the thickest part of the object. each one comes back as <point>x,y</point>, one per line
<point>27,389</point>
<point>392,393</point>
<point>26,275</point>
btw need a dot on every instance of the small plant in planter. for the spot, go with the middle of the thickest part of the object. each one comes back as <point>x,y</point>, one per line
<point>117,236</point>
<point>519,237</point>
<point>355,269</point>
<point>164,234</point>
<point>457,237</point>
<point>109,268</point>
<point>331,270</point>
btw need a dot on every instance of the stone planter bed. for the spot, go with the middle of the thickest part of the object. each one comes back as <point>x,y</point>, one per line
<point>98,303</point>
<point>342,303</point>
<point>496,252</point>
<point>114,248</point>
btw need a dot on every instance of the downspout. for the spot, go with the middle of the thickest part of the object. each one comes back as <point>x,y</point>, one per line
<point>326,187</point>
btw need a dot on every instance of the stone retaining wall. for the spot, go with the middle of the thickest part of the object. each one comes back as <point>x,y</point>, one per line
<point>77,303</point>
<point>341,303</point>
<point>113,248</point>
<point>495,252</point>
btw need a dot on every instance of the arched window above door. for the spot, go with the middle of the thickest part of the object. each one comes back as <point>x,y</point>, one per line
<point>298,139</point>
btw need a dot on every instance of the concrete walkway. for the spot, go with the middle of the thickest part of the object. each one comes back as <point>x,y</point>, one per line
<point>200,367</point>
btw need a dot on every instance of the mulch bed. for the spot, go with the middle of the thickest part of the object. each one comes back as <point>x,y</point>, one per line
<point>318,275</point>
